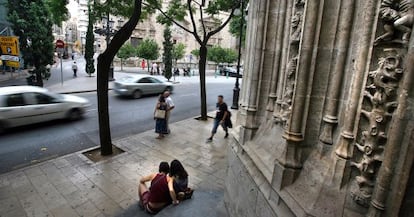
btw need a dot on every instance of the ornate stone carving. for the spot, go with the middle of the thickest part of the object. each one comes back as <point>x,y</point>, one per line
<point>396,15</point>
<point>282,116</point>
<point>378,107</point>
<point>296,27</point>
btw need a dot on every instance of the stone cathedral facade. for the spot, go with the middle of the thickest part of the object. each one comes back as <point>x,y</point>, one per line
<point>326,120</point>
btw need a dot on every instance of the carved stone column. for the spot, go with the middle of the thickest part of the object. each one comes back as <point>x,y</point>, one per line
<point>344,28</point>
<point>281,16</point>
<point>253,66</point>
<point>298,81</point>
<point>284,58</point>
<point>344,147</point>
<point>403,113</point>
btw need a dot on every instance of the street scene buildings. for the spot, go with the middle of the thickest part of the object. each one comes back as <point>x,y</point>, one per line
<point>74,31</point>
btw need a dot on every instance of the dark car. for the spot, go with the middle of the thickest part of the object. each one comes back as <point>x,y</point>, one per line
<point>231,72</point>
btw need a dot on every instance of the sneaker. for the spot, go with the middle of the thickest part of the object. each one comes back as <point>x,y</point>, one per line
<point>226,136</point>
<point>210,139</point>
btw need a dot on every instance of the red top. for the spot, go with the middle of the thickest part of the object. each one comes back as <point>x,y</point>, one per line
<point>159,190</point>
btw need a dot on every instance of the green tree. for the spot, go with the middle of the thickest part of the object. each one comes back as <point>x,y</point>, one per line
<point>58,10</point>
<point>125,52</point>
<point>89,47</point>
<point>219,55</point>
<point>178,51</point>
<point>236,22</point>
<point>32,24</point>
<point>178,11</point>
<point>148,50</point>
<point>196,53</point>
<point>167,54</point>
<point>131,8</point>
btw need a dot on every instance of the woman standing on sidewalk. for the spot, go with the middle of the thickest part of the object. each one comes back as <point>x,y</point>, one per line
<point>160,117</point>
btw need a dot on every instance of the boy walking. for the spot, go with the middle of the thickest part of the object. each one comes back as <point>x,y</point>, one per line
<point>75,69</point>
<point>221,115</point>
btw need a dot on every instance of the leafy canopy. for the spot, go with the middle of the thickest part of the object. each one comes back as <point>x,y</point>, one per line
<point>178,12</point>
<point>123,8</point>
<point>58,11</point>
<point>178,51</point>
<point>148,49</point>
<point>219,54</point>
<point>126,51</point>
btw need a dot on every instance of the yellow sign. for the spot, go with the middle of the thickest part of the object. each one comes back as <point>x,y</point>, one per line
<point>9,45</point>
<point>13,64</point>
<point>1,62</point>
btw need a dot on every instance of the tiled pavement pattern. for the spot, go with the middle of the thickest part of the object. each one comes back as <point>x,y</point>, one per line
<point>72,185</point>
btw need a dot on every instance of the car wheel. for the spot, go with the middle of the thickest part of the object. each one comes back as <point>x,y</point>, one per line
<point>74,114</point>
<point>2,128</point>
<point>137,94</point>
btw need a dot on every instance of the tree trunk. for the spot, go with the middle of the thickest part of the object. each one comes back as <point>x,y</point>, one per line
<point>148,66</point>
<point>202,63</point>
<point>122,69</point>
<point>104,64</point>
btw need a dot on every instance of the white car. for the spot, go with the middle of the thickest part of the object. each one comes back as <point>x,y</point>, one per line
<point>23,105</point>
<point>138,85</point>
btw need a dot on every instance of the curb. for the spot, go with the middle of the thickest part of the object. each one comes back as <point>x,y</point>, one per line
<point>79,91</point>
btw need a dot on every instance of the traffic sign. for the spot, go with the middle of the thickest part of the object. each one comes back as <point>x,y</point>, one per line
<point>9,45</point>
<point>9,58</point>
<point>13,64</point>
<point>60,44</point>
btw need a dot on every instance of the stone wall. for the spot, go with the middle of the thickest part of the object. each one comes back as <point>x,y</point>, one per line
<point>325,126</point>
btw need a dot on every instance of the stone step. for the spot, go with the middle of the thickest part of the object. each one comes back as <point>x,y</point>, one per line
<point>202,204</point>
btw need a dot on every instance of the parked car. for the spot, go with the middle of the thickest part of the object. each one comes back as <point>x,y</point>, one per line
<point>138,85</point>
<point>231,72</point>
<point>23,105</point>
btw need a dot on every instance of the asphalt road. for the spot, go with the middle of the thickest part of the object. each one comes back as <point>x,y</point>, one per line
<point>28,145</point>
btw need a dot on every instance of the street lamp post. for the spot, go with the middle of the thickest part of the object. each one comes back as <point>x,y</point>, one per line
<point>236,90</point>
<point>108,32</point>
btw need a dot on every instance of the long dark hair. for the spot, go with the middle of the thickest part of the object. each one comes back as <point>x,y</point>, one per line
<point>162,98</point>
<point>177,169</point>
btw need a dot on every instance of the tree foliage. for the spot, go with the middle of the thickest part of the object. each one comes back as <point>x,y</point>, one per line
<point>58,11</point>
<point>32,24</point>
<point>236,22</point>
<point>219,54</point>
<point>178,51</point>
<point>89,47</point>
<point>167,54</point>
<point>125,52</point>
<point>179,12</point>
<point>196,52</point>
<point>148,49</point>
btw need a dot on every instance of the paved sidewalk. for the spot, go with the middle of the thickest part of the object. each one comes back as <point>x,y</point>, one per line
<point>74,186</point>
<point>84,83</point>
<point>6,76</point>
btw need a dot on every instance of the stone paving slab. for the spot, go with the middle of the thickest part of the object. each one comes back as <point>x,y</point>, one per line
<point>73,186</point>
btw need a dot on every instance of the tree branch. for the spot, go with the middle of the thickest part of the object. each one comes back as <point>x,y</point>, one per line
<point>125,32</point>
<point>197,37</point>
<point>169,18</point>
<point>202,21</point>
<point>222,25</point>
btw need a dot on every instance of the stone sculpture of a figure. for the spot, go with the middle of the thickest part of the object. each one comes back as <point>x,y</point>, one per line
<point>396,15</point>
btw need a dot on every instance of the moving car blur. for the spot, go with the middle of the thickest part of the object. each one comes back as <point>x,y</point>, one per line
<point>139,85</point>
<point>23,105</point>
